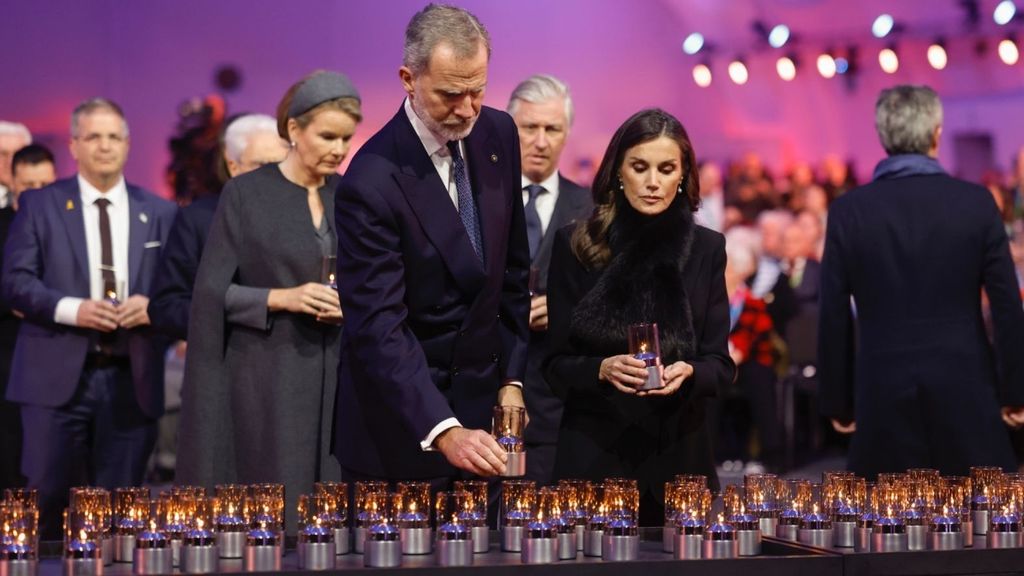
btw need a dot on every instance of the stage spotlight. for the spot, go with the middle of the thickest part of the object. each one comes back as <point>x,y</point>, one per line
<point>826,65</point>
<point>937,56</point>
<point>693,43</point>
<point>1008,51</point>
<point>786,68</point>
<point>882,26</point>
<point>888,60</point>
<point>702,75</point>
<point>1004,12</point>
<point>779,35</point>
<point>738,72</point>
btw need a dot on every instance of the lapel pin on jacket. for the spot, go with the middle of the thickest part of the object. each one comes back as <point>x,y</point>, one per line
<point>70,205</point>
<point>494,158</point>
<point>143,217</point>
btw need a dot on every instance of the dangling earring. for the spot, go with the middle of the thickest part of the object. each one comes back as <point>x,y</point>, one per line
<point>292,143</point>
<point>679,189</point>
<point>622,188</point>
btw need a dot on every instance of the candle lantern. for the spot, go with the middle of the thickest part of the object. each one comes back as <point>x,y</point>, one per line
<point>263,548</point>
<point>174,510</point>
<point>690,525</point>
<point>383,546</point>
<point>788,527</point>
<point>96,503</point>
<point>230,523</point>
<point>673,510</point>
<point>540,540</point>
<point>265,505</point>
<point>574,506</point>
<point>131,515</point>
<point>1004,529</point>
<point>367,501</point>
<point>945,531</point>
<point>748,531</point>
<point>816,528</point>
<point>152,554</point>
<point>889,533</point>
<point>199,552</point>
<point>337,513</point>
<point>454,533</point>
<point>19,543</point>
<point>644,345</point>
<point>414,517</point>
<point>315,546</point>
<point>985,481</point>
<point>473,513</point>
<point>955,495</point>
<point>517,503</point>
<point>720,540</point>
<point>593,534</point>
<point>507,428</point>
<point>621,539</point>
<point>761,492</point>
<point>82,546</point>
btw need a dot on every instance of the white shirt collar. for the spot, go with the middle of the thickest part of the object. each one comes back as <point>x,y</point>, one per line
<point>550,184</point>
<point>89,194</point>
<point>431,143</point>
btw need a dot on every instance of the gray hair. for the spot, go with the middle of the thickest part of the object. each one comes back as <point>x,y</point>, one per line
<point>541,88</point>
<point>778,217</point>
<point>15,129</point>
<point>94,105</point>
<point>906,118</point>
<point>741,250</point>
<point>437,24</point>
<point>242,129</point>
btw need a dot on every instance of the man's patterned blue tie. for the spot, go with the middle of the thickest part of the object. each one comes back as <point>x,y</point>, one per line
<point>467,204</point>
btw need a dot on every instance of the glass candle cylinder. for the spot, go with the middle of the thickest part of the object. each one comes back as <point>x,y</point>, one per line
<point>383,546</point>
<point>507,426</point>
<point>414,517</point>
<point>230,521</point>
<point>315,546</point>
<point>474,512</point>
<point>573,493</point>
<point>518,499</point>
<point>337,513</point>
<point>644,345</point>
<point>454,533</point>
<point>367,505</point>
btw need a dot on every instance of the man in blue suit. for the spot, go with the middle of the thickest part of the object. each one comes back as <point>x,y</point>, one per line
<point>905,364</point>
<point>432,266</point>
<point>79,264</point>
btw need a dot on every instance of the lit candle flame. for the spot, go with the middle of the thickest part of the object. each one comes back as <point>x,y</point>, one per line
<point>82,536</point>
<point>815,508</point>
<point>231,509</point>
<point>721,519</point>
<point>152,525</point>
<point>412,507</point>
<point>199,523</point>
<point>21,538</point>
<point>945,510</point>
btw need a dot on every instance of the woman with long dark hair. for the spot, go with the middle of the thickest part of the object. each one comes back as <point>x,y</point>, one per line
<point>639,258</point>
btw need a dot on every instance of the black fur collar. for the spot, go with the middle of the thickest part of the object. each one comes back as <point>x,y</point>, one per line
<point>643,282</point>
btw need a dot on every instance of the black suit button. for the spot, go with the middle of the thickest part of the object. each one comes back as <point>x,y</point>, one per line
<point>494,358</point>
<point>462,332</point>
<point>455,371</point>
<point>499,316</point>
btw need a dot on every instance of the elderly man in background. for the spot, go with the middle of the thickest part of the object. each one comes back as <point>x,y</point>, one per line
<point>921,387</point>
<point>13,137</point>
<point>542,109</point>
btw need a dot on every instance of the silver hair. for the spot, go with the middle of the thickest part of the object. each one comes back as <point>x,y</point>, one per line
<point>242,129</point>
<point>93,105</point>
<point>541,88</point>
<point>781,217</point>
<point>437,24</point>
<point>906,118</point>
<point>15,129</point>
<point>741,248</point>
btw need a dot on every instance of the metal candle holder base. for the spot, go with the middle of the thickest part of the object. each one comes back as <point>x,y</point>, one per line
<point>359,541</point>
<point>19,567</point>
<point>688,546</point>
<point>862,542</point>
<point>968,530</point>
<point>567,546</point>
<point>917,538</point>
<point>176,552</point>
<point>769,525</point>
<point>83,567</point>
<point>592,542</point>
<point>789,532</point>
<point>454,552</point>
<point>382,553</point>
<point>107,550</point>
<point>152,561</point>
<point>231,544</point>
<point>720,549</point>
<point>945,540</point>
<point>515,466</point>
<point>316,555</point>
<point>817,537</point>
<point>889,542</point>
<point>581,539</point>
<point>263,558</point>
<point>124,547</point>
<point>512,539</point>
<point>749,542</point>
<point>844,534</point>
<point>668,539</point>
<point>539,550</point>
<point>616,548</point>
<point>980,519</point>
<point>1004,539</point>
<point>199,559</point>
<point>341,541</point>
<point>653,379</point>
<point>416,541</point>
<point>481,536</point>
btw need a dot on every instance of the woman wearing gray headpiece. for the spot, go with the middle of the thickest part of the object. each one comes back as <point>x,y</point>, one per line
<point>263,338</point>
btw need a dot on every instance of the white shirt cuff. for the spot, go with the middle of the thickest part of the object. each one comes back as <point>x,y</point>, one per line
<point>67,311</point>
<point>428,443</point>
<point>512,383</point>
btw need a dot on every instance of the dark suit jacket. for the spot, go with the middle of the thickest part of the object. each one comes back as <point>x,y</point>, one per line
<point>430,332</point>
<point>923,384</point>
<point>172,289</point>
<point>545,409</point>
<point>45,260</point>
